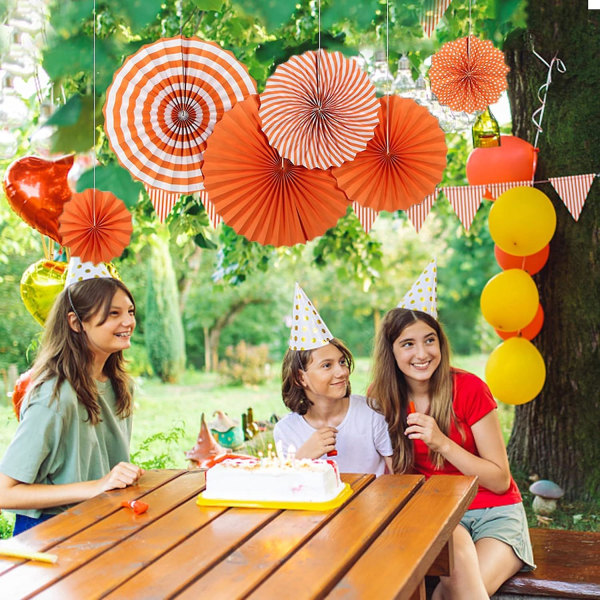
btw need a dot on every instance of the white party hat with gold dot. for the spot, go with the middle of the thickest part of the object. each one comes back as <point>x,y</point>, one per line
<point>308,329</point>
<point>79,271</point>
<point>423,295</point>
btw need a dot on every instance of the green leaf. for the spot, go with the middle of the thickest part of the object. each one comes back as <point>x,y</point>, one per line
<point>81,135</point>
<point>67,16</point>
<point>272,12</point>
<point>137,13</point>
<point>112,178</point>
<point>363,13</point>
<point>67,114</point>
<point>203,242</point>
<point>208,4</point>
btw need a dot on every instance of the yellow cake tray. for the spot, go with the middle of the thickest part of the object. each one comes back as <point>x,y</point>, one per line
<point>344,494</point>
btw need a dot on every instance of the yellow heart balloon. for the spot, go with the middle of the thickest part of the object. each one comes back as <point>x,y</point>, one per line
<point>40,285</point>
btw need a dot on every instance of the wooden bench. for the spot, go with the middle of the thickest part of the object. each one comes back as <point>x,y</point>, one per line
<point>568,566</point>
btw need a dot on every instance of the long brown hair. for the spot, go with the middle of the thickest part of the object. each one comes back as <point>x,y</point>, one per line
<point>294,361</point>
<point>388,392</point>
<point>65,353</point>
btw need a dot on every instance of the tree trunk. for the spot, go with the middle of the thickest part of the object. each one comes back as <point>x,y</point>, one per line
<point>207,351</point>
<point>556,435</point>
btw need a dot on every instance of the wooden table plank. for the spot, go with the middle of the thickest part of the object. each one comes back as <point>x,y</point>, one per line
<point>109,531</point>
<point>415,536</point>
<point>318,565</point>
<point>255,560</point>
<point>46,535</point>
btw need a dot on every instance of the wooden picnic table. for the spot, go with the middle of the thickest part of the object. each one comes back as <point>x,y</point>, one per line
<point>379,544</point>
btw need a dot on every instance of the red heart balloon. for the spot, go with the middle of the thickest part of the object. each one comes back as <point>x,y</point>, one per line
<point>37,190</point>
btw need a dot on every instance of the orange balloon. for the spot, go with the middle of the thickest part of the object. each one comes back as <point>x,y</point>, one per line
<point>37,189</point>
<point>514,160</point>
<point>529,331</point>
<point>532,263</point>
<point>21,386</point>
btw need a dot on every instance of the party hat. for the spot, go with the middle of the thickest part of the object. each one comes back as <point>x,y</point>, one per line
<point>308,329</point>
<point>422,295</point>
<point>79,271</point>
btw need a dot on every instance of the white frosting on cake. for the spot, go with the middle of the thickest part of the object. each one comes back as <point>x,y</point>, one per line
<point>275,480</point>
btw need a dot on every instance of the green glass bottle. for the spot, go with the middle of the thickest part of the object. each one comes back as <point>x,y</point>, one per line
<point>486,131</point>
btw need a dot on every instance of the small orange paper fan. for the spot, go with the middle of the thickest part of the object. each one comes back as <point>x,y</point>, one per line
<point>468,74</point>
<point>403,162</point>
<point>95,225</point>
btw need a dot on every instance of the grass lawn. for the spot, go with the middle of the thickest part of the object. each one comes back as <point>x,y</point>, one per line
<point>177,408</point>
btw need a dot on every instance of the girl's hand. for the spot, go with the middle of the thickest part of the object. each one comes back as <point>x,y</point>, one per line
<point>423,427</point>
<point>320,442</point>
<point>120,476</point>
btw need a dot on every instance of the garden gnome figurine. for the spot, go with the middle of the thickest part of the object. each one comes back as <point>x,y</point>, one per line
<point>206,446</point>
<point>308,329</point>
<point>423,295</point>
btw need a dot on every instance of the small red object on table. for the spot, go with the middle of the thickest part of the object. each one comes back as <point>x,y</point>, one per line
<point>137,506</point>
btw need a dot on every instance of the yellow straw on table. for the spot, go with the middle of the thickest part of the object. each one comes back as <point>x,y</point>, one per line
<point>23,553</point>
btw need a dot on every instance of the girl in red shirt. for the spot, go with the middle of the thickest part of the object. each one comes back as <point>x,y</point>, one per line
<point>453,429</point>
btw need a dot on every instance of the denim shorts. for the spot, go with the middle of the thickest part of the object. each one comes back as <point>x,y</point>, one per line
<point>505,523</point>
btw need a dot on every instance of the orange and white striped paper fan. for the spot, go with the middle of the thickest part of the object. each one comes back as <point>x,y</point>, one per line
<point>213,216</point>
<point>261,195</point>
<point>418,212</point>
<point>163,104</point>
<point>319,109</point>
<point>573,191</point>
<point>402,163</point>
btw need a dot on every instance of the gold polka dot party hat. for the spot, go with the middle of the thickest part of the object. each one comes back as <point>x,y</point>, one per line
<point>308,329</point>
<point>423,293</point>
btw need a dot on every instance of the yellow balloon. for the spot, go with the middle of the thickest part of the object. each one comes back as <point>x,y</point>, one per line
<point>510,300</point>
<point>522,221</point>
<point>515,371</point>
<point>40,285</point>
<point>42,282</point>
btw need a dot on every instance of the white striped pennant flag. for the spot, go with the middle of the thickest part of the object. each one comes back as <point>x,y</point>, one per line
<point>365,215</point>
<point>465,201</point>
<point>213,216</point>
<point>496,189</point>
<point>431,13</point>
<point>162,201</point>
<point>573,191</point>
<point>418,212</point>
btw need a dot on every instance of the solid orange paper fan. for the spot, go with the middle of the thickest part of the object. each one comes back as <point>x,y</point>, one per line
<point>95,225</point>
<point>403,162</point>
<point>468,74</point>
<point>318,109</point>
<point>261,195</point>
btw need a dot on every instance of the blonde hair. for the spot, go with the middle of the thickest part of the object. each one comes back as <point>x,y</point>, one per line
<point>388,393</point>
<point>65,353</point>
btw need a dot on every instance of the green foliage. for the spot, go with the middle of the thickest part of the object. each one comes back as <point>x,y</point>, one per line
<point>245,364</point>
<point>7,522</point>
<point>164,330</point>
<point>156,451</point>
<point>112,178</point>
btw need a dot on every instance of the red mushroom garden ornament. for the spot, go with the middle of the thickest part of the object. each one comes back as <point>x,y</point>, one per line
<point>546,493</point>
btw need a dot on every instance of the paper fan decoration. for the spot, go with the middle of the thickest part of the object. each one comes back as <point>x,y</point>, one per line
<point>395,174</point>
<point>261,195</point>
<point>163,104</point>
<point>319,109</point>
<point>95,225</point>
<point>468,74</point>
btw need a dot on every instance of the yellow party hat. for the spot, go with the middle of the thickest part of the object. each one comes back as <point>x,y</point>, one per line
<point>423,295</point>
<point>308,329</point>
<point>79,271</point>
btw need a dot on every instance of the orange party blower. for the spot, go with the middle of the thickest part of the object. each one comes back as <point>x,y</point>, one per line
<point>332,453</point>
<point>137,506</point>
<point>411,407</point>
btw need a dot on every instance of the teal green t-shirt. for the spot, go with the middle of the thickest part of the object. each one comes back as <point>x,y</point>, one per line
<point>55,442</point>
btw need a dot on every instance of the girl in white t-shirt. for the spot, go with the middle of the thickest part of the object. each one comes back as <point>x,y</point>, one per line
<point>325,419</point>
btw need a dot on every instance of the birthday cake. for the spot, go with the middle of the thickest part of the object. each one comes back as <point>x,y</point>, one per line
<point>273,480</point>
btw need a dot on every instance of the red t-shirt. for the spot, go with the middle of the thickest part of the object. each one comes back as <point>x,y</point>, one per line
<point>472,400</point>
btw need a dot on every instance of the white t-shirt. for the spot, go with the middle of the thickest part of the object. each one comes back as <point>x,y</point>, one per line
<point>362,439</point>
